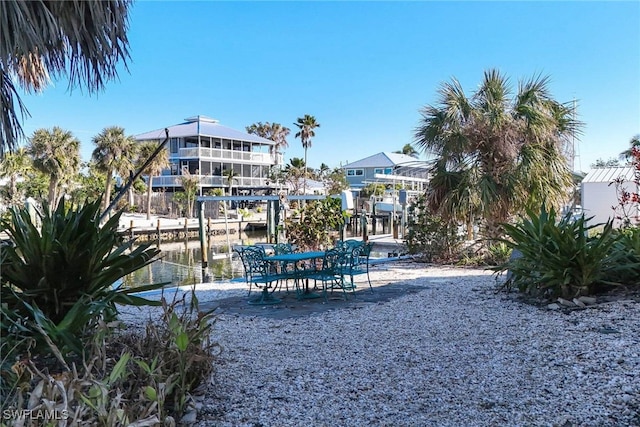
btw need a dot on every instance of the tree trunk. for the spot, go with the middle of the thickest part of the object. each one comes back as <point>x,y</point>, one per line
<point>107,191</point>
<point>149,197</point>
<point>469,230</point>
<point>53,185</point>
<point>13,197</point>
<point>304,183</point>
<point>131,201</point>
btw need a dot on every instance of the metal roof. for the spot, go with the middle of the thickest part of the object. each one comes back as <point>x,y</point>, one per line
<point>203,126</point>
<point>380,160</point>
<point>609,174</point>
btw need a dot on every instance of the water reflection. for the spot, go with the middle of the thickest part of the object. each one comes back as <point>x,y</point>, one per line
<point>180,263</point>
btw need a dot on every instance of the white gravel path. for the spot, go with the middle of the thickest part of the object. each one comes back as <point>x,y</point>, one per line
<point>455,354</point>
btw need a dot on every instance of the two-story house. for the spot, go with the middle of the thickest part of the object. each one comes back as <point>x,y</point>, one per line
<point>387,168</point>
<point>207,149</point>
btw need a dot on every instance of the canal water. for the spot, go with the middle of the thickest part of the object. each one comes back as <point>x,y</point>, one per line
<point>180,263</point>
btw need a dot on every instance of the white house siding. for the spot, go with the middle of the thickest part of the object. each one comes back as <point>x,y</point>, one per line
<point>599,196</point>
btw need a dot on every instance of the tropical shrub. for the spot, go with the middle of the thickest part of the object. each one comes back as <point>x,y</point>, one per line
<point>560,259</point>
<point>430,236</point>
<point>139,377</point>
<point>372,189</point>
<point>628,247</point>
<point>316,222</point>
<point>58,280</point>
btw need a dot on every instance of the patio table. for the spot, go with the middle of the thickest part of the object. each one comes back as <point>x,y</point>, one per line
<point>297,273</point>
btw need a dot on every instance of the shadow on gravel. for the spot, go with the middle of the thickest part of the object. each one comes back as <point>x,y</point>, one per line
<point>291,307</point>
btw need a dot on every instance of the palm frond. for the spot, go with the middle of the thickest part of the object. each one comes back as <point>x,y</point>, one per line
<point>81,40</point>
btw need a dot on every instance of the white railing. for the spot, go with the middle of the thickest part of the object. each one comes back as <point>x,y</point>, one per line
<point>209,181</point>
<point>220,154</point>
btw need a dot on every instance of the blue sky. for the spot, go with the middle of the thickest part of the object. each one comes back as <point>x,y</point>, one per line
<point>363,69</point>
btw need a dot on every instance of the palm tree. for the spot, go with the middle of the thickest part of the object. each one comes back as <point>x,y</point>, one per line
<point>323,171</point>
<point>83,40</point>
<point>408,150</point>
<point>496,154</point>
<point>161,161</point>
<point>293,173</point>
<point>307,125</point>
<point>190,184</point>
<point>627,154</point>
<point>13,166</point>
<point>272,131</point>
<point>114,153</point>
<point>56,153</point>
<point>230,176</point>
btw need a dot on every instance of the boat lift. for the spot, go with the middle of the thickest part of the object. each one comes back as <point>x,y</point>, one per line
<point>275,205</point>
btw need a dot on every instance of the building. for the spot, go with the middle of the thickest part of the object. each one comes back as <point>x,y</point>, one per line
<point>387,168</point>
<point>599,195</point>
<point>204,148</point>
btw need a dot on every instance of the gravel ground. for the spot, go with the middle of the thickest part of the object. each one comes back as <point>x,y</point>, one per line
<point>454,354</point>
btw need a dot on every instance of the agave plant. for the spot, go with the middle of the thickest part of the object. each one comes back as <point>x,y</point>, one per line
<point>560,259</point>
<point>59,277</point>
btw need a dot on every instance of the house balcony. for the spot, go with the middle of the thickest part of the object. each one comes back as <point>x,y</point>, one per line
<point>209,181</point>
<point>226,155</point>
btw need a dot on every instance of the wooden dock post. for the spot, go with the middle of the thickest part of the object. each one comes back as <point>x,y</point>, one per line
<point>131,228</point>
<point>203,247</point>
<point>158,229</point>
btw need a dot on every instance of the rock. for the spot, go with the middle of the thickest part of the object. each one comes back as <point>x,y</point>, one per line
<point>579,303</point>
<point>189,418</point>
<point>588,300</point>
<point>553,306</point>
<point>515,254</point>
<point>566,302</point>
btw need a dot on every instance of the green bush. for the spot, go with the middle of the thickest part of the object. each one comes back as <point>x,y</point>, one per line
<point>628,248</point>
<point>431,236</point>
<point>141,377</point>
<point>317,220</point>
<point>561,259</point>
<point>58,280</point>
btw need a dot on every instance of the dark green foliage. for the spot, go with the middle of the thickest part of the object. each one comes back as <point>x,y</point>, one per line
<point>59,280</point>
<point>372,189</point>
<point>141,377</point>
<point>559,259</point>
<point>628,246</point>
<point>317,220</point>
<point>431,236</point>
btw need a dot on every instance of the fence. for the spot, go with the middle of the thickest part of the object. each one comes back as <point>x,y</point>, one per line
<point>163,204</point>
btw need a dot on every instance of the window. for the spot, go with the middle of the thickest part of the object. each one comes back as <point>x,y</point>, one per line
<point>355,172</point>
<point>388,171</point>
<point>174,145</point>
<point>378,170</point>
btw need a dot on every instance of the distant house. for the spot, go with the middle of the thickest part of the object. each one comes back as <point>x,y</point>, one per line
<point>207,149</point>
<point>599,196</point>
<point>387,168</point>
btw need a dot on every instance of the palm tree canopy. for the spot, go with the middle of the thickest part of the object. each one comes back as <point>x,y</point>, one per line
<point>634,143</point>
<point>114,150</point>
<point>496,152</point>
<point>15,164</point>
<point>409,150</point>
<point>82,40</point>
<point>161,161</point>
<point>55,152</point>
<point>295,162</point>
<point>307,125</point>
<point>272,131</point>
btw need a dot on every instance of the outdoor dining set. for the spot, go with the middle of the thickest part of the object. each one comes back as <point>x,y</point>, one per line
<point>313,273</point>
